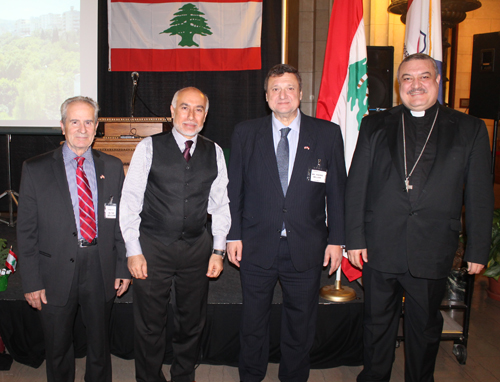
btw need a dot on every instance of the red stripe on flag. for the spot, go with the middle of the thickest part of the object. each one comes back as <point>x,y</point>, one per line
<point>185,60</point>
<point>9,265</point>
<point>344,22</point>
<point>178,1</point>
<point>11,252</point>
<point>352,273</point>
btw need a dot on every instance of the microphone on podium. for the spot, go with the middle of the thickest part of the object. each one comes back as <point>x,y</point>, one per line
<point>135,81</point>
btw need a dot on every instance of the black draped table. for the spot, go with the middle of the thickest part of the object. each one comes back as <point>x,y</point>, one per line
<point>338,340</point>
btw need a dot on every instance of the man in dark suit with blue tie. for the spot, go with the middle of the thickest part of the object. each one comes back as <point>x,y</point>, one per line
<point>71,250</point>
<point>286,189</point>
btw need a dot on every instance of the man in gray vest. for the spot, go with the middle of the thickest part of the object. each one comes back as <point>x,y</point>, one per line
<point>173,181</point>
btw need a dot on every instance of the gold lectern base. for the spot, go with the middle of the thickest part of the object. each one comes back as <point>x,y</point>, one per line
<point>337,292</point>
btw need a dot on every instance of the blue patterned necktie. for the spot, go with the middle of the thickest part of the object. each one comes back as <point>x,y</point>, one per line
<point>282,156</point>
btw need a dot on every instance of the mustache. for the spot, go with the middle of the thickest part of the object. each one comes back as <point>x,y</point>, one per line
<point>418,90</point>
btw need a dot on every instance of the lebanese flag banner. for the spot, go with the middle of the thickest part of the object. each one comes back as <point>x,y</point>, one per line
<point>423,33</point>
<point>166,35</point>
<point>343,94</point>
<point>352,273</point>
<point>11,262</point>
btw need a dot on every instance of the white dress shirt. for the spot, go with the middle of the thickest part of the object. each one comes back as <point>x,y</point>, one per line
<point>135,185</point>
<point>293,139</point>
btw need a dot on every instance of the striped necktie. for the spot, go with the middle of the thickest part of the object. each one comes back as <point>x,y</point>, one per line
<point>86,205</point>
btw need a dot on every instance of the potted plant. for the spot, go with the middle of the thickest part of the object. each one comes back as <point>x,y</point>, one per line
<point>8,263</point>
<point>493,267</point>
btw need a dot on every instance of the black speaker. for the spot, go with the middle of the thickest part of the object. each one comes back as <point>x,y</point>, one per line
<point>485,76</point>
<point>380,68</point>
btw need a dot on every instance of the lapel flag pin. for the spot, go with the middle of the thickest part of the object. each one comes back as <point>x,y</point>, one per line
<point>307,148</point>
<point>102,176</point>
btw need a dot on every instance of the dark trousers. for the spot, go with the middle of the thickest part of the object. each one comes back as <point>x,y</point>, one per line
<point>185,267</point>
<point>423,324</point>
<point>298,324</point>
<point>87,292</point>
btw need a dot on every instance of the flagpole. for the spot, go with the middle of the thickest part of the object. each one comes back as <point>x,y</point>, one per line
<point>337,292</point>
<point>343,86</point>
<point>284,31</point>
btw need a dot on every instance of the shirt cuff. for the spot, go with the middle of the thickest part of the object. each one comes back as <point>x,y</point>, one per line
<point>220,242</point>
<point>133,248</point>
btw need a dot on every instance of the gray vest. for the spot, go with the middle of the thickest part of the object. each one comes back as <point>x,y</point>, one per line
<point>176,196</point>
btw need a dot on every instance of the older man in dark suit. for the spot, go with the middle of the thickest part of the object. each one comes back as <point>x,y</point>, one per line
<point>71,251</point>
<point>413,168</point>
<point>286,179</point>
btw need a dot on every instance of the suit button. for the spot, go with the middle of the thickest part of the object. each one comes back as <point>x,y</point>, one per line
<point>187,167</point>
<point>185,217</point>
<point>185,200</point>
<point>72,260</point>
<point>410,214</point>
<point>284,210</point>
<point>74,233</point>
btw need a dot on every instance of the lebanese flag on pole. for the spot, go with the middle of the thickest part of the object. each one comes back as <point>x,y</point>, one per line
<point>423,33</point>
<point>343,94</point>
<point>166,35</point>
<point>11,262</point>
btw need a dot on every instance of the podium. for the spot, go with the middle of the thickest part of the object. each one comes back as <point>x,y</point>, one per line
<point>120,136</point>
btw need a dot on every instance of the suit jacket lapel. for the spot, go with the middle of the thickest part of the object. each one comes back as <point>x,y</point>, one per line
<point>446,130</point>
<point>265,143</point>
<point>393,122</point>
<point>100,175</point>
<point>60,175</point>
<point>306,139</point>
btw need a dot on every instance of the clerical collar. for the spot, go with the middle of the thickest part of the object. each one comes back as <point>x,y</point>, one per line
<point>423,113</point>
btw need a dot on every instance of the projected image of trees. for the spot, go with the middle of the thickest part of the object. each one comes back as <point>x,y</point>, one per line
<point>39,66</point>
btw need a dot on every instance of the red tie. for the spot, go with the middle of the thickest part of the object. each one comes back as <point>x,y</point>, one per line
<point>187,155</point>
<point>85,203</point>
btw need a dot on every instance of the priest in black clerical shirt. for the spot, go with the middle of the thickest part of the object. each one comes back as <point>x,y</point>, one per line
<point>414,168</point>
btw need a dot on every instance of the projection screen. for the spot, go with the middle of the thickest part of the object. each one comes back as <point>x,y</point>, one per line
<point>48,52</point>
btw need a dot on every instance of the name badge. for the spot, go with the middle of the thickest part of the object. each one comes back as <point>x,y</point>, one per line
<point>318,176</point>
<point>110,210</point>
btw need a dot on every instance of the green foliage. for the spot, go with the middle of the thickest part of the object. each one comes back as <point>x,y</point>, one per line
<point>186,23</point>
<point>355,94</point>
<point>8,95</point>
<point>493,267</point>
<point>37,73</point>
<point>4,252</point>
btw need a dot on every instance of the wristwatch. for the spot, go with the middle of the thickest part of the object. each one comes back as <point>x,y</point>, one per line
<point>220,253</point>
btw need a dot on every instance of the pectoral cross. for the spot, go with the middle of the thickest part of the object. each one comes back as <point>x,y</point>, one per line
<point>408,186</point>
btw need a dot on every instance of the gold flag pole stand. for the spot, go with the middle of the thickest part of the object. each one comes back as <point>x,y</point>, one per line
<point>337,292</point>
